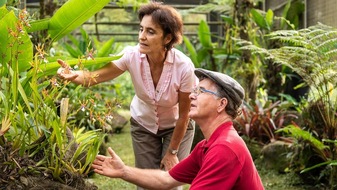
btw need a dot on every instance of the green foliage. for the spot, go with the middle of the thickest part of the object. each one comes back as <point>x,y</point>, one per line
<point>260,120</point>
<point>95,107</point>
<point>134,3</point>
<point>105,49</point>
<point>264,22</point>
<point>2,2</point>
<point>14,37</point>
<point>221,6</point>
<point>311,53</point>
<point>223,55</point>
<point>68,18</point>
<point>205,53</point>
<point>33,128</point>
<point>192,52</point>
<point>204,35</point>
<point>84,46</point>
<point>299,133</point>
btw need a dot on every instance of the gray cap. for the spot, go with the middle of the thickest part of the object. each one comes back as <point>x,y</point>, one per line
<point>233,89</point>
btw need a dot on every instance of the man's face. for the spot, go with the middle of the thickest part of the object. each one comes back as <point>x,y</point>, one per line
<point>204,106</point>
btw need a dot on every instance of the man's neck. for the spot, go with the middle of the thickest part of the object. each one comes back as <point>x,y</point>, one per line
<point>209,126</point>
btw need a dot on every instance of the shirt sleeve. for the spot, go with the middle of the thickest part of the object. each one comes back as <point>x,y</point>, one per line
<point>220,170</point>
<point>186,170</point>
<point>122,63</point>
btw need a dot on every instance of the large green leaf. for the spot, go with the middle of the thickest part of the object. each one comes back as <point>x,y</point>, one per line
<point>192,52</point>
<point>204,34</point>
<point>203,54</point>
<point>269,19</point>
<point>73,14</point>
<point>74,52</point>
<point>106,48</point>
<point>285,13</point>
<point>3,2</point>
<point>259,19</point>
<point>3,11</point>
<point>38,25</point>
<point>15,45</point>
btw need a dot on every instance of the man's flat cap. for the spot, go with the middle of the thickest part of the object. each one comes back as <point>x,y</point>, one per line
<point>233,89</point>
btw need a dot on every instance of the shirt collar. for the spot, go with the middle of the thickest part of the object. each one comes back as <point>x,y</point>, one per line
<point>169,56</point>
<point>218,131</point>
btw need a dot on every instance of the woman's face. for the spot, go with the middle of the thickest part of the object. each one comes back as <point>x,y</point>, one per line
<point>151,37</point>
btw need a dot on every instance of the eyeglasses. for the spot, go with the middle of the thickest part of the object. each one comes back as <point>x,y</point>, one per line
<point>198,90</point>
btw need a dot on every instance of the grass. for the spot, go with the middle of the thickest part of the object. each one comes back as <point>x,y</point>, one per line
<point>122,145</point>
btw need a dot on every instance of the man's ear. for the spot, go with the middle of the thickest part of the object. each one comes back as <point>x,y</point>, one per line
<point>222,105</point>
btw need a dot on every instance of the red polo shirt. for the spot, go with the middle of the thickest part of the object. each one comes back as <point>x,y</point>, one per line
<point>223,162</point>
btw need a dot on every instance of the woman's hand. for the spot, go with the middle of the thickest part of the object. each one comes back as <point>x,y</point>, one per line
<point>65,71</point>
<point>168,161</point>
<point>112,166</point>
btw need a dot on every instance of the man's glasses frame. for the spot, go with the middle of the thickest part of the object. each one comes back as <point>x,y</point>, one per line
<point>198,90</point>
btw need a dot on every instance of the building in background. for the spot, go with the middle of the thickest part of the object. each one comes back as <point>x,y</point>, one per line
<point>323,11</point>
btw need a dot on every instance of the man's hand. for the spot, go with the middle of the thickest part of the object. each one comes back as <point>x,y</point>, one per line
<point>112,166</point>
<point>65,72</point>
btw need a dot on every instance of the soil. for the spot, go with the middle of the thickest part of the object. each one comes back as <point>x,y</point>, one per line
<point>20,172</point>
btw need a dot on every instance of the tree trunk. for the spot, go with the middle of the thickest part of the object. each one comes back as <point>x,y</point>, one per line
<point>241,14</point>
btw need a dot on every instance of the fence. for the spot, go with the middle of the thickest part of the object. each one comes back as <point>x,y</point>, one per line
<point>103,27</point>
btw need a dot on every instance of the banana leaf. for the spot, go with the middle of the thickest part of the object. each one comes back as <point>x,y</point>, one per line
<point>38,25</point>
<point>73,14</point>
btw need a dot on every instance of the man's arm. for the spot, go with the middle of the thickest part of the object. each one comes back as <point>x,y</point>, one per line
<point>114,167</point>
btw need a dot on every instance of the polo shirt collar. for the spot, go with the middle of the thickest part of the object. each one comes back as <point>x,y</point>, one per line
<point>218,131</point>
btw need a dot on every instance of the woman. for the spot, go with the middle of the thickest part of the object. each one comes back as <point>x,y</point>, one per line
<point>163,78</point>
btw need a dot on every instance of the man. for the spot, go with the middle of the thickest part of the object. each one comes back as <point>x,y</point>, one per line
<point>220,161</point>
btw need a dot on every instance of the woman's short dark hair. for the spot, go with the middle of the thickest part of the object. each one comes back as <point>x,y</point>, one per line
<point>167,18</point>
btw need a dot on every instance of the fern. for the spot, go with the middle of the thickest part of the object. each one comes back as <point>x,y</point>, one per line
<point>300,134</point>
<point>311,53</point>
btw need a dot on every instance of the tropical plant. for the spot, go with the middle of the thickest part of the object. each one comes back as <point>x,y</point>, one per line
<point>311,53</point>
<point>36,138</point>
<point>261,119</point>
<point>242,20</point>
<point>84,45</point>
